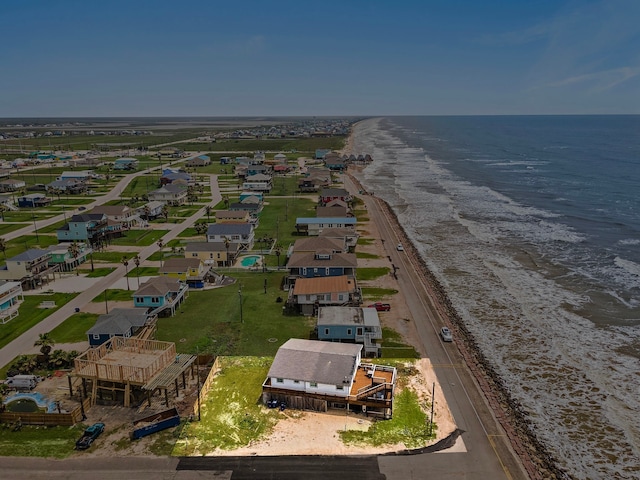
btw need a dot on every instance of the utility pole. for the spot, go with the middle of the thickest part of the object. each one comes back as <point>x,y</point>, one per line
<point>240,298</point>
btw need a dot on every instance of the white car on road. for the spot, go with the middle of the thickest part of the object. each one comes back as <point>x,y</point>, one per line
<point>400,248</point>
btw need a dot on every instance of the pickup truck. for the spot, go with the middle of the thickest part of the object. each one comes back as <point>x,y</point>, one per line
<point>89,435</point>
<point>381,307</point>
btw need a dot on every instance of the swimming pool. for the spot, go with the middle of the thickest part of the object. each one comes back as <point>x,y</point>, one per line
<point>29,402</point>
<point>249,261</point>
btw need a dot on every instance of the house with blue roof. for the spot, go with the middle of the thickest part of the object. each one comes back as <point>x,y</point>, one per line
<point>323,263</point>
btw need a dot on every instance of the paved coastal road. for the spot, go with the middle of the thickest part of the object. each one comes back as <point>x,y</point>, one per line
<point>488,453</point>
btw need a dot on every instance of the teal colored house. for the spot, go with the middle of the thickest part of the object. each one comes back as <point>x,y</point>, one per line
<point>160,296</point>
<point>351,325</point>
<point>62,258</point>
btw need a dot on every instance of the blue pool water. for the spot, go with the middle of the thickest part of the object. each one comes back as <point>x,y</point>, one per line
<point>249,261</point>
<point>35,397</point>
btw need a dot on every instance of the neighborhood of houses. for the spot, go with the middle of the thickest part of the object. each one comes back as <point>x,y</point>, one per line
<point>126,364</point>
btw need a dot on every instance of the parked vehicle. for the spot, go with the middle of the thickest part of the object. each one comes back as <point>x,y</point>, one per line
<point>22,382</point>
<point>381,307</point>
<point>154,423</point>
<point>446,335</point>
<point>400,248</point>
<point>89,435</point>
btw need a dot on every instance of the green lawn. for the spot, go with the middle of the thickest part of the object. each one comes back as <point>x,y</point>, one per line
<point>10,227</point>
<point>112,257</point>
<point>371,273</point>
<point>74,329</point>
<point>278,219</point>
<point>409,425</point>
<point>209,321</point>
<point>231,416</point>
<point>115,295</point>
<point>31,315</point>
<point>139,237</point>
<point>97,272</point>
<point>376,293</point>
<point>36,441</point>
<point>366,255</point>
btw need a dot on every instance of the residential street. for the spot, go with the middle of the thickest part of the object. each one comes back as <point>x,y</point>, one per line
<point>25,341</point>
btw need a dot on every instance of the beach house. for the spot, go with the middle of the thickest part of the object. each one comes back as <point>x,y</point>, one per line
<point>315,375</point>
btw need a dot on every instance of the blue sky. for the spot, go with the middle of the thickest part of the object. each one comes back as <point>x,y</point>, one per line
<point>369,57</point>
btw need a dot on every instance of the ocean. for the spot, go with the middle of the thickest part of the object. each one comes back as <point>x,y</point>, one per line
<point>532,225</point>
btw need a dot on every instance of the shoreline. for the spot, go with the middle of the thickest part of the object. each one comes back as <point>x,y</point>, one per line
<point>508,413</point>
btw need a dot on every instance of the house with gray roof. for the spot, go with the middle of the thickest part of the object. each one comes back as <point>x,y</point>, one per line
<point>314,375</point>
<point>350,325</point>
<point>119,322</point>
<point>30,268</point>
<point>239,233</point>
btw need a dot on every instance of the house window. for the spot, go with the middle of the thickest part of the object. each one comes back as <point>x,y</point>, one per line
<point>326,331</point>
<point>340,297</point>
<point>96,336</point>
<point>304,270</point>
<point>139,300</point>
<point>280,380</point>
<point>308,298</point>
<point>313,384</point>
<point>155,300</point>
<point>349,331</point>
<point>296,381</point>
<point>339,387</point>
<point>326,271</point>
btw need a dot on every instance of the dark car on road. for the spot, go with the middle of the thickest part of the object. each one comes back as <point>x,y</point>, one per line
<point>89,435</point>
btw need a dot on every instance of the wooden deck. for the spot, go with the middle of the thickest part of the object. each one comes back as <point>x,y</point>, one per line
<point>369,376</point>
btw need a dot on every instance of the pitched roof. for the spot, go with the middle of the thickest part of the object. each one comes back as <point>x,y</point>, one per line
<point>309,286</point>
<point>229,229</point>
<point>119,321</point>
<point>87,217</point>
<point>158,286</point>
<point>179,264</point>
<point>224,214</point>
<point>327,212</point>
<point>313,244</point>
<point>29,255</point>
<point>211,247</point>
<point>334,192</point>
<point>314,220</point>
<point>314,361</point>
<point>309,259</point>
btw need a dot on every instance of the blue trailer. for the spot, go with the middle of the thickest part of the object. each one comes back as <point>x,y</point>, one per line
<point>154,423</point>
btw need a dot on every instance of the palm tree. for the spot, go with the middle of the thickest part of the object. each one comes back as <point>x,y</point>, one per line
<point>146,212</point>
<point>165,212</point>
<point>160,245</point>
<point>3,208</point>
<point>225,199</point>
<point>3,247</point>
<point>46,343</point>
<point>201,228</point>
<point>74,251</point>
<point>278,251</point>
<point>125,262</point>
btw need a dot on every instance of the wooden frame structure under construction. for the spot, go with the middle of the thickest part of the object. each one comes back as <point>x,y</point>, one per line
<point>132,365</point>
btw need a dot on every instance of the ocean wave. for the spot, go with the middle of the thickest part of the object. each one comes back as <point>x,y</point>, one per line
<point>507,268</point>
